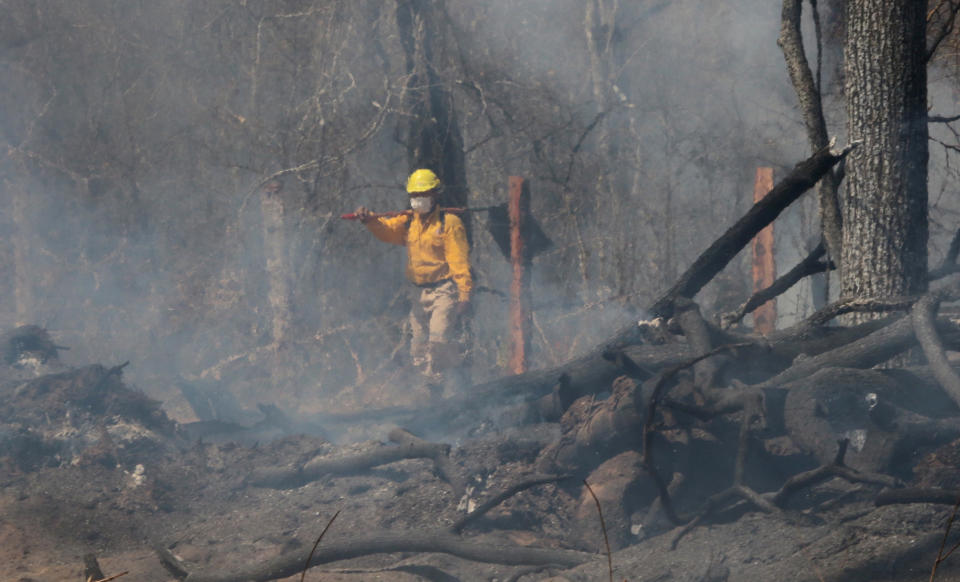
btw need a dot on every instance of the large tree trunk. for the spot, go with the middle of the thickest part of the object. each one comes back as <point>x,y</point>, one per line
<point>885,201</point>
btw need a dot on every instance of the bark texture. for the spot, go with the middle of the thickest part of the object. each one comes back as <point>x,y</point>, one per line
<point>885,200</point>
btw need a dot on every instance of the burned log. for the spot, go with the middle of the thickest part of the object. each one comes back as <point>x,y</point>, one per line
<point>835,468</point>
<point>811,265</point>
<point>923,316</point>
<point>757,360</point>
<point>886,422</point>
<point>917,495</point>
<point>507,493</point>
<point>407,446</point>
<point>721,252</point>
<point>590,427</point>
<point>949,265</point>
<point>877,347</point>
<point>380,543</point>
<point>91,568</point>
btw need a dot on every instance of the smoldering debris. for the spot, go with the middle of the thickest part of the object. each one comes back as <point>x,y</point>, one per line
<point>234,501</point>
<point>73,415</point>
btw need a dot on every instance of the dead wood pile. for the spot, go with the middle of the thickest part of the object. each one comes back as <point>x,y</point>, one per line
<point>656,414</point>
<point>72,414</point>
<point>678,419</point>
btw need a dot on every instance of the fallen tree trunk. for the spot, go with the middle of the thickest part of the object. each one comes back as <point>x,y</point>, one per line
<point>924,316</point>
<point>410,447</point>
<point>721,252</point>
<point>380,543</point>
<point>917,495</point>
<point>869,351</point>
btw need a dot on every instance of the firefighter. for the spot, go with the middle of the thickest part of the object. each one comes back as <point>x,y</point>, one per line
<point>438,265</point>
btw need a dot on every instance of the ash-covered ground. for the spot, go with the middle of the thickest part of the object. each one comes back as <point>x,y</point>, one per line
<point>90,466</point>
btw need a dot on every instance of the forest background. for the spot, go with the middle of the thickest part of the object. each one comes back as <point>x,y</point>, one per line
<point>174,171</point>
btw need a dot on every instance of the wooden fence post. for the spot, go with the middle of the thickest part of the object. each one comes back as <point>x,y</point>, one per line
<point>518,208</point>
<point>764,266</point>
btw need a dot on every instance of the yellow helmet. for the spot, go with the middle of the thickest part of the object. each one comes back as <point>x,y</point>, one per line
<point>422,180</point>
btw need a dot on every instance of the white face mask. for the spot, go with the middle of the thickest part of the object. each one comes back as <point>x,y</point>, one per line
<point>421,204</point>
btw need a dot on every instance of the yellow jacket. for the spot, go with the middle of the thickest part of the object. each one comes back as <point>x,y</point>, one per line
<point>436,249</point>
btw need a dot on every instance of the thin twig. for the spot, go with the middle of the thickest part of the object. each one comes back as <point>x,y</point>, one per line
<point>114,577</point>
<point>315,544</point>
<point>943,543</point>
<point>499,498</point>
<point>603,526</point>
<point>950,551</point>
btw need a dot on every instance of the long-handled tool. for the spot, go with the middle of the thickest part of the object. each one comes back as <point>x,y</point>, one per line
<point>393,213</point>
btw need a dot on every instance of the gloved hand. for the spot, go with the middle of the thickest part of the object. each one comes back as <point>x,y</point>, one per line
<point>363,214</point>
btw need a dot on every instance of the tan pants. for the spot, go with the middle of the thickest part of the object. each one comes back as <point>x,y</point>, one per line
<point>433,323</point>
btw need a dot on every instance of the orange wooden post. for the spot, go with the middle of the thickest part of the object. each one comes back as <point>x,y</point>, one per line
<point>764,267</point>
<point>520,287</point>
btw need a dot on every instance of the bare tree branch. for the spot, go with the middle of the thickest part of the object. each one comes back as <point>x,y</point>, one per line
<point>923,315</point>
<point>811,265</point>
<point>949,264</point>
<point>946,28</point>
<point>808,94</point>
<point>803,177</point>
<point>380,543</point>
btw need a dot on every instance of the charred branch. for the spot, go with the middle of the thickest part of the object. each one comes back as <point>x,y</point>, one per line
<point>382,543</point>
<point>738,489</point>
<point>949,265</point>
<point>923,316</point>
<point>717,501</point>
<point>917,495</point>
<point>875,348</point>
<point>698,336</point>
<point>858,305</point>
<point>91,568</point>
<point>811,265</point>
<point>803,177</point>
<point>773,503</point>
<point>439,454</point>
<point>502,496</point>
<point>409,447</point>
<point>717,400</point>
<point>791,43</point>
<point>837,468</point>
<point>892,338</point>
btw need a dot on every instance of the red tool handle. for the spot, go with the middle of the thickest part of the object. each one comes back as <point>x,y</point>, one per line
<point>392,213</point>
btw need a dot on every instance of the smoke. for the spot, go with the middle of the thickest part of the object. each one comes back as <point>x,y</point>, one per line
<point>140,138</point>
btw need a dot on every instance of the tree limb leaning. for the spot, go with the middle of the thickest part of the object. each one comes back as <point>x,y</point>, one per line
<point>444,542</point>
<point>923,317</point>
